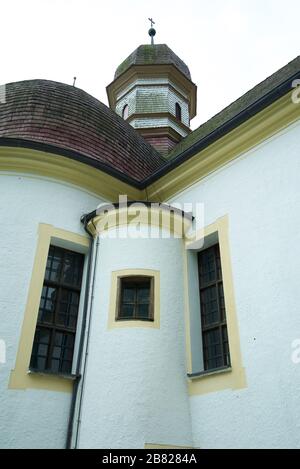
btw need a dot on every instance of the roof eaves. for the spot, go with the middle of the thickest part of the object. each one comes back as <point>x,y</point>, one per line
<point>238,119</point>
<point>47,148</point>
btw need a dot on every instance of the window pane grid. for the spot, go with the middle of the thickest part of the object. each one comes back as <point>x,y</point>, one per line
<point>54,264</point>
<point>40,348</point>
<point>209,306</point>
<point>57,320</point>
<point>64,268</point>
<point>47,305</point>
<point>213,312</point>
<point>135,301</point>
<point>67,309</point>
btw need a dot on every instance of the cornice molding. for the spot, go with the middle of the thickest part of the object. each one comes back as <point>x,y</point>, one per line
<point>158,115</point>
<point>25,160</point>
<point>153,215</point>
<point>152,85</point>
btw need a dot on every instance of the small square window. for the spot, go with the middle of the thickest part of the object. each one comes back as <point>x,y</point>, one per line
<point>135,299</point>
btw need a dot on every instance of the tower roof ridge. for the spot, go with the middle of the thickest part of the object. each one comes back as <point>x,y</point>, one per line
<point>153,54</point>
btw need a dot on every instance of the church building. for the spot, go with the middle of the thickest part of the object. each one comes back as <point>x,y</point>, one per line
<point>149,286</point>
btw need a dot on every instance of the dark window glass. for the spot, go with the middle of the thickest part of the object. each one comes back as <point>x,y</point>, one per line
<point>209,306</point>
<point>213,312</point>
<point>57,319</point>
<point>47,304</point>
<point>178,111</point>
<point>135,298</point>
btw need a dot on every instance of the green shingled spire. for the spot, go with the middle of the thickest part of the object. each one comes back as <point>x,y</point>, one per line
<point>153,54</point>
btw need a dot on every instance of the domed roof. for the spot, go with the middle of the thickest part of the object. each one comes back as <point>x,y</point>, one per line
<point>60,116</point>
<point>153,54</point>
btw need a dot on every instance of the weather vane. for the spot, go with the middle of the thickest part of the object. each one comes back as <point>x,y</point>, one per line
<point>151,31</point>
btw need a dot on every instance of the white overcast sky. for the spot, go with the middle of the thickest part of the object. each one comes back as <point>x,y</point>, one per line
<point>229,45</point>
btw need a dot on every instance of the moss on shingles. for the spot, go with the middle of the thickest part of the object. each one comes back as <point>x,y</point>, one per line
<point>123,66</point>
<point>234,109</point>
<point>148,54</point>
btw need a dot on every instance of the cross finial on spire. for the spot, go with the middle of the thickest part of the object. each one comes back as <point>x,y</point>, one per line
<point>151,21</point>
<point>151,31</point>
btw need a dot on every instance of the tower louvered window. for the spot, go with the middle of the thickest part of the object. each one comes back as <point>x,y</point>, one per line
<point>125,112</point>
<point>178,111</point>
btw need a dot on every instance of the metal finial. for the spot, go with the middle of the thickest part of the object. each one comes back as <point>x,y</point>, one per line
<point>151,31</point>
<point>74,81</point>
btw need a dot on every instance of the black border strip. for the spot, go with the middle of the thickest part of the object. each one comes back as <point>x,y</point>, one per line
<point>72,154</point>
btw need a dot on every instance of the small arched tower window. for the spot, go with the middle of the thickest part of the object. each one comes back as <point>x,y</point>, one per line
<point>178,111</point>
<point>125,112</point>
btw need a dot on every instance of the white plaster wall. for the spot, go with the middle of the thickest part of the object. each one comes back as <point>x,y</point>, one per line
<point>260,193</point>
<point>30,418</point>
<point>135,389</point>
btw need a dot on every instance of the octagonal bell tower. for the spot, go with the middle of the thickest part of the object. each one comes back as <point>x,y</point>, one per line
<point>154,92</point>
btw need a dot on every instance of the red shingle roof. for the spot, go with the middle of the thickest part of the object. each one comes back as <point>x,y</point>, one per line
<point>64,116</point>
